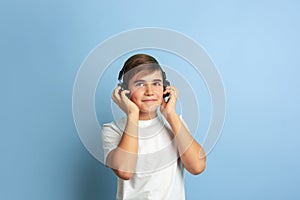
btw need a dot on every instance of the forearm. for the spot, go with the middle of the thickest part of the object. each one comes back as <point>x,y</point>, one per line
<point>123,159</point>
<point>191,153</point>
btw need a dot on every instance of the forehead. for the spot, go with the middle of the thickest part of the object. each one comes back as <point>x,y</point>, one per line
<point>147,76</point>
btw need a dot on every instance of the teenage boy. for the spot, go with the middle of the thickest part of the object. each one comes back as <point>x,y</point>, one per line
<point>146,151</point>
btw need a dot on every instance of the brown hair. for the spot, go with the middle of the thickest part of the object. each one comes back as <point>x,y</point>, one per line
<point>135,64</point>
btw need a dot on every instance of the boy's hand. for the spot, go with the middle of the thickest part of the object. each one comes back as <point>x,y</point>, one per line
<point>120,97</point>
<point>168,107</point>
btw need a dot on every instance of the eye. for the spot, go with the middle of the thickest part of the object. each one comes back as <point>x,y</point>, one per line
<point>140,84</point>
<point>157,83</point>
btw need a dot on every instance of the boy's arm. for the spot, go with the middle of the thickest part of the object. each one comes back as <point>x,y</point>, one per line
<point>191,153</point>
<point>123,159</point>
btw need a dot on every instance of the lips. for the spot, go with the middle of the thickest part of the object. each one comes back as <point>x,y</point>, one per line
<point>149,100</point>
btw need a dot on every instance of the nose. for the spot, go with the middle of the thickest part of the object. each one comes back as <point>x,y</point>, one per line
<point>149,90</point>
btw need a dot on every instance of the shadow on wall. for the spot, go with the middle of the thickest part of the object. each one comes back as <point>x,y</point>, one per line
<point>96,182</point>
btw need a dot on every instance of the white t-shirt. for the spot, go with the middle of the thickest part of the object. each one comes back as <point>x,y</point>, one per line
<point>159,172</point>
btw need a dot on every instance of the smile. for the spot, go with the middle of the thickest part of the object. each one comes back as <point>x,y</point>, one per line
<point>149,100</point>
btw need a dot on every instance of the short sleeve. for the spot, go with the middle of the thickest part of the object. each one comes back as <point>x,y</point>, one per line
<point>111,136</point>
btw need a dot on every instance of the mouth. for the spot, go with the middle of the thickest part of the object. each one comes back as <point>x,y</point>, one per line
<point>149,100</point>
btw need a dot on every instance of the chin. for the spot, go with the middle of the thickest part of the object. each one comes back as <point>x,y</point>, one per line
<point>152,109</point>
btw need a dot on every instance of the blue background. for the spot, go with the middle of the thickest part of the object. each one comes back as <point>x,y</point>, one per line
<point>254,44</point>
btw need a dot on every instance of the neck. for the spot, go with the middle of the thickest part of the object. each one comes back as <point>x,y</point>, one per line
<point>147,116</point>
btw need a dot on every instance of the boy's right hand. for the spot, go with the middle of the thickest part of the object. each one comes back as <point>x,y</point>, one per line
<point>120,97</point>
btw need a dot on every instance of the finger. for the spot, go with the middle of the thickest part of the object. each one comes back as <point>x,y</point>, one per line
<point>124,93</point>
<point>115,95</point>
<point>168,87</point>
<point>170,91</point>
<point>173,91</point>
<point>116,90</point>
<point>166,91</point>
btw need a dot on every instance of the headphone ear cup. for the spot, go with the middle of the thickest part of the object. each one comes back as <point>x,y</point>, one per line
<point>166,84</point>
<point>123,86</point>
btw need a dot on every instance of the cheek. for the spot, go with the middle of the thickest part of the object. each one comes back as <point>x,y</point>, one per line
<point>135,97</point>
<point>160,96</point>
<point>161,100</point>
<point>160,92</point>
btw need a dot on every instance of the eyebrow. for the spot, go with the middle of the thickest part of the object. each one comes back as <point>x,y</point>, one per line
<point>154,80</point>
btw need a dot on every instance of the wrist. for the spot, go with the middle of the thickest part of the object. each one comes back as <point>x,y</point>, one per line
<point>132,125</point>
<point>175,123</point>
<point>133,115</point>
<point>172,117</point>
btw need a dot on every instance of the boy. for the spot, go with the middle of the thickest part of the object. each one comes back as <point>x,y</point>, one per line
<point>146,151</point>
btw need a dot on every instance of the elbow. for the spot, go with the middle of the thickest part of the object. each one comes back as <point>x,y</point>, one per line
<point>124,175</point>
<point>123,167</point>
<point>198,169</point>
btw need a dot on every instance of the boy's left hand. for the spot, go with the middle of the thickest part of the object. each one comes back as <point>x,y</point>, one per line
<point>168,107</point>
